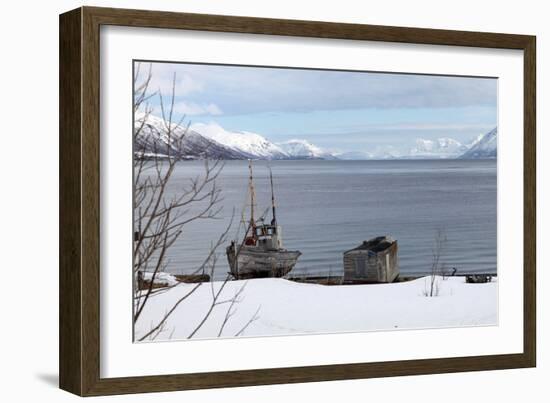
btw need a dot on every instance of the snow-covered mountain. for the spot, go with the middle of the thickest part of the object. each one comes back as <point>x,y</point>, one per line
<point>355,155</point>
<point>153,139</point>
<point>303,149</point>
<point>485,146</point>
<point>380,153</point>
<point>444,147</point>
<point>250,144</point>
<point>213,141</point>
<point>387,155</point>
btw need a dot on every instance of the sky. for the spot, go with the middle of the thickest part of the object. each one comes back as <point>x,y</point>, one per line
<point>339,111</point>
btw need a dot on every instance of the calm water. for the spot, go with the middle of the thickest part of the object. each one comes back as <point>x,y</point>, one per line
<point>327,207</point>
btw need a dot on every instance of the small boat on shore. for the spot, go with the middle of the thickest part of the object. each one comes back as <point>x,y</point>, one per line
<point>261,252</point>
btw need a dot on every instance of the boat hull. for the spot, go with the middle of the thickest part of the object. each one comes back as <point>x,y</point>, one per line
<point>253,262</point>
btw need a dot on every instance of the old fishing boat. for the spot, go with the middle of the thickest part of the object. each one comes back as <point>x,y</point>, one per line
<point>373,261</point>
<point>261,252</point>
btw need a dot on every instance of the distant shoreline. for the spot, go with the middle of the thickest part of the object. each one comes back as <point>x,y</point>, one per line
<point>185,159</point>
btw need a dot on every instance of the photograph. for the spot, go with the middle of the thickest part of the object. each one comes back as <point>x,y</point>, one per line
<point>286,201</point>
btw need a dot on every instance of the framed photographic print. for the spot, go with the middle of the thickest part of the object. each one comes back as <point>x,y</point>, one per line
<point>249,201</point>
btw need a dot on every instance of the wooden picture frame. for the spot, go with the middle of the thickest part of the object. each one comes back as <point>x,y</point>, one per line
<point>79,316</point>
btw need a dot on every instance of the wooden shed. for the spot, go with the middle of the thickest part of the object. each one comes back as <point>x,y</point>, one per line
<point>374,261</point>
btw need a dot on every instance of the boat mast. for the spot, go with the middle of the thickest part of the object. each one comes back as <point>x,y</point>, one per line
<point>252,199</point>
<point>274,220</point>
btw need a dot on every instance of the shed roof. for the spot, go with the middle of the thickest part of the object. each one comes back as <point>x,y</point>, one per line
<point>376,245</point>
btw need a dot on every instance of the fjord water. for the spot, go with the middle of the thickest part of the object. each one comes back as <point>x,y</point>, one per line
<point>328,207</point>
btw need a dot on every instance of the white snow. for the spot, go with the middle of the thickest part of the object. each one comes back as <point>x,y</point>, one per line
<point>299,148</point>
<point>155,129</point>
<point>251,143</point>
<point>283,307</point>
<point>443,147</point>
<point>161,278</point>
<point>151,155</point>
<point>159,125</point>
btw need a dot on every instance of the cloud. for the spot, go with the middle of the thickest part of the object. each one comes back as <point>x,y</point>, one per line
<point>194,109</point>
<point>162,79</point>
<point>184,85</point>
<point>423,127</point>
<point>166,78</point>
<point>247,90</point>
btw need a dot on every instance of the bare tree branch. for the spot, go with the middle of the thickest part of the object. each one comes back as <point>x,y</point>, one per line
<point>160,218</point>
<point>253,319</point>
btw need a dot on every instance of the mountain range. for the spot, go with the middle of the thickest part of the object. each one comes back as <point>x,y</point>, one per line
<point>213,141</point>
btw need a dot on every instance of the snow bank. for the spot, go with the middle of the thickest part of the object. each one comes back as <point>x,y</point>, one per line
<point>283,307</point>
<point>161,278</point>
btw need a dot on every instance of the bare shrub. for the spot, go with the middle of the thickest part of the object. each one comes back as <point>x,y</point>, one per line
<point>437,267</point>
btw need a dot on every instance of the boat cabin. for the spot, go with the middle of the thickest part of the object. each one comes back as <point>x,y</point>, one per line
<point>269,236</point>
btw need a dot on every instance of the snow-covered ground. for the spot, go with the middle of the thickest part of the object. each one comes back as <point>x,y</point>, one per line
<point>282,307</point>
